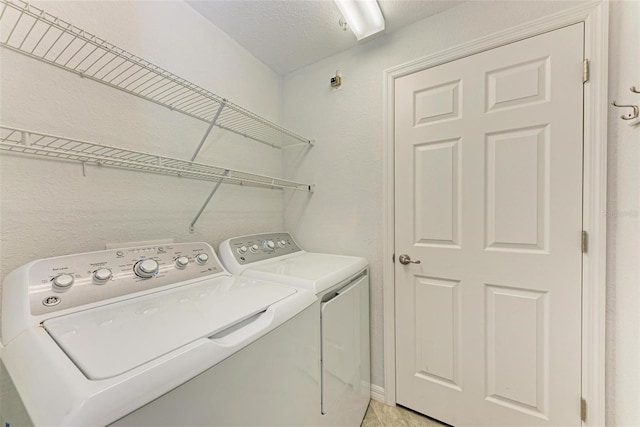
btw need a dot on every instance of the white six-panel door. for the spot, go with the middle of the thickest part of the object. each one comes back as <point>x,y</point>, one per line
<point>488,185</point>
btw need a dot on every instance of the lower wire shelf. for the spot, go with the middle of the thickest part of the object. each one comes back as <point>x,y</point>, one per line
<point>21,141</point>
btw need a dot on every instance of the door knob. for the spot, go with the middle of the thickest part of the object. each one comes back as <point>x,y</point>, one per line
<point>406,259</point>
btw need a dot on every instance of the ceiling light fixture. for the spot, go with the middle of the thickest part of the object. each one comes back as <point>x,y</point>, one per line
<point>363,16</point>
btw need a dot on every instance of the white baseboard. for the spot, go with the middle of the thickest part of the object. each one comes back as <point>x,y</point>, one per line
<point>377,393</point>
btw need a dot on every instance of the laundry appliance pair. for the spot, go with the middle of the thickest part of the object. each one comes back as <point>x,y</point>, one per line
<point>162,335</point>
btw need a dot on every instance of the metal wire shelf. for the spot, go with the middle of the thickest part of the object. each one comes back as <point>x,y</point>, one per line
<point>41,144</point>
<point>40,35</point>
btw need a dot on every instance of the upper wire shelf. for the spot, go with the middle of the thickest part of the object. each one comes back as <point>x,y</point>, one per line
<point>41,144</point>
<point>40,35</point>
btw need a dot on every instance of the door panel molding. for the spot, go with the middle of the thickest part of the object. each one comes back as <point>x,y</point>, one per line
<point>594,15</point>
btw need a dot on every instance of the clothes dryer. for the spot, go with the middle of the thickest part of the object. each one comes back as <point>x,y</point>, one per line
<point>155,336</point>
<point>341,283</point>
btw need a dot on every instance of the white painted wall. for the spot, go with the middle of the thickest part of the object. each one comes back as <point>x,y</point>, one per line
<point>48,208</point>
<point>623,220</point>
<point>345,213</point>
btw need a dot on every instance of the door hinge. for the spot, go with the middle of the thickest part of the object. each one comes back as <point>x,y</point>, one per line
<point>585,242</point>
<point>585,71</point>
<point>393,258</point>
<point>583,410</point>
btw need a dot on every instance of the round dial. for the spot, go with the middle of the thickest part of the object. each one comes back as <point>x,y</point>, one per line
<point>202,258</point>
<point>282,243</point>
<point>271,244</point>
<point>146,268</point>
<point>62,282</point>
<point>254,248</point>
<point>102,276</point>
<point>182,262</point>
<point>242,250</point>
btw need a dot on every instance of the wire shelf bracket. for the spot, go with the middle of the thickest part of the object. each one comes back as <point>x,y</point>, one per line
<point>206,202</point>
<point>33,32</point>
<point>208,131</point>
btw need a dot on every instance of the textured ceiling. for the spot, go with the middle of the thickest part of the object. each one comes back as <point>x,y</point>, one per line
<point>289,34</point>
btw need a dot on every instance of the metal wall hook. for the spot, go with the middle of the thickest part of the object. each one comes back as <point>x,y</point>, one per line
<point>634,90</point>
<point>636,111</point>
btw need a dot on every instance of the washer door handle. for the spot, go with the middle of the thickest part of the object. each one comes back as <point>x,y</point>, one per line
<point>406,259</point>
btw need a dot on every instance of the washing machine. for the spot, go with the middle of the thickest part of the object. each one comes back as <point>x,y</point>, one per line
<point>341,283</point>
<point>154,336</point>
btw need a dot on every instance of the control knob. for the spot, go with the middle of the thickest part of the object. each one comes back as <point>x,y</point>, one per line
<point>254,248</point>
<point>282,243</point>
<point>146,268</point>
<point>62,282</point>
<point>271,245</point>
<point>202,259</point>
<point>182,262</point>
<point>242,250</point>
<point>102,276</point>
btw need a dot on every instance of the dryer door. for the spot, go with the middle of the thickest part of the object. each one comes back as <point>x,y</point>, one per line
<point>345,349</point>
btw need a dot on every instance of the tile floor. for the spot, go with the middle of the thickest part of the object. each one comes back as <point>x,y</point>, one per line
<point>380,415</point>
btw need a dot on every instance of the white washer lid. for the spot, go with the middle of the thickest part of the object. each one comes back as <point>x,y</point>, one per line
<point>112,339</point>
<point>307,270</point>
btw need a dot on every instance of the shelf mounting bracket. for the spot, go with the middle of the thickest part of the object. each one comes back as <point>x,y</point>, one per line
<point>25,138</point>
<point>309,143</point>
<point>206,202</point>
<point>208,131</point>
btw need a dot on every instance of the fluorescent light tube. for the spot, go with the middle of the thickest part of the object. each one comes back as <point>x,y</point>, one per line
<point>363,16</point>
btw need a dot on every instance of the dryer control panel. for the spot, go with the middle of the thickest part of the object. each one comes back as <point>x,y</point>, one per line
<point>76,280</point>
<point>258,247</point>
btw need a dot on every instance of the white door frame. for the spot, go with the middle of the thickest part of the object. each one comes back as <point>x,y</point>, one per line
<point>595,17</point>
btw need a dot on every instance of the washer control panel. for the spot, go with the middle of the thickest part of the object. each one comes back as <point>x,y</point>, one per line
<point>258,247</point>
<point>75,280</point>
